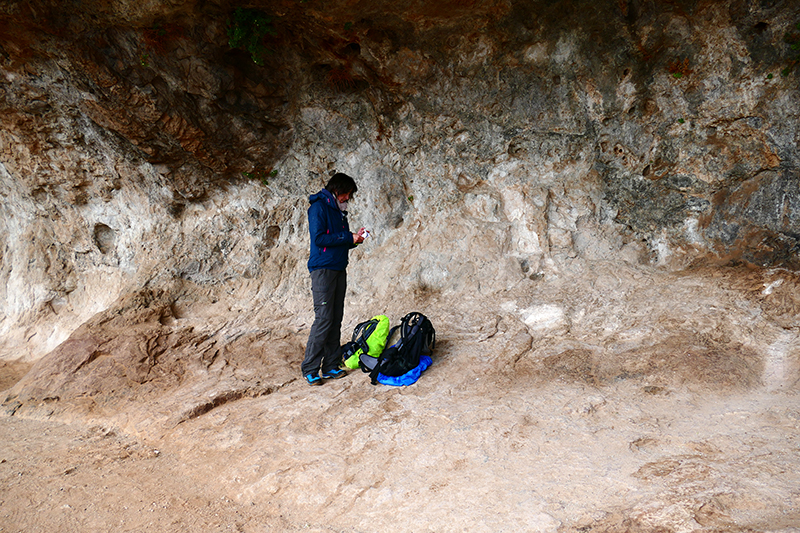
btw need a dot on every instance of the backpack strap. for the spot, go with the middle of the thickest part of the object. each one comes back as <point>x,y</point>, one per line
<point>378,362</point>
<point>416,320</point>
<point>392,332</point>
<point>359,329</point>
<point>411,320</point>
<point>428,334</point>
<point>373,374</point>
<point>362,332</point>
<point>347,350</point>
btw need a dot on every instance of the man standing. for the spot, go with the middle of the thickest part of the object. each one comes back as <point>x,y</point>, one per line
<point>331,241</point>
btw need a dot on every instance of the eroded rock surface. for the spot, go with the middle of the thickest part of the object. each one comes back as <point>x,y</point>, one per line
<point>596,202</point>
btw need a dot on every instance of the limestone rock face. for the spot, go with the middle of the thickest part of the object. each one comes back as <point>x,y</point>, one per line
<point>595,202</point>
<point>154,180</point>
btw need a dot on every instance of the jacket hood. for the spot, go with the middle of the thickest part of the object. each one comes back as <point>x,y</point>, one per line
<point>324,196</point>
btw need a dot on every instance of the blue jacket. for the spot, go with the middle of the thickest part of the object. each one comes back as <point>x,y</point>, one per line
<point>331,239</point>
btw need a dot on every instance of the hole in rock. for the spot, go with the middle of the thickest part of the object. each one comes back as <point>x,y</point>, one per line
<point>104,238</point>
<point>271,236</point>
<point>352,49</point>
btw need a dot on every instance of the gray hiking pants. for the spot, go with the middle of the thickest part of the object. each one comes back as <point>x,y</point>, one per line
<point>322,351</point>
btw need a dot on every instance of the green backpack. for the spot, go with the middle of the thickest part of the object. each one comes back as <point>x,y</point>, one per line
<point>368,338</point>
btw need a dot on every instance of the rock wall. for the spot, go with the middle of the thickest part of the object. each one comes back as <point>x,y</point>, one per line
<point>503,151</point>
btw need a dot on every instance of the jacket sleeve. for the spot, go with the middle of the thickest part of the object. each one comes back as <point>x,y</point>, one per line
<point>324,236</point>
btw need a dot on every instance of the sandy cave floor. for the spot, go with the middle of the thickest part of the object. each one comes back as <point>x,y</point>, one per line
<point>349,457</point>
<point>558,435</point>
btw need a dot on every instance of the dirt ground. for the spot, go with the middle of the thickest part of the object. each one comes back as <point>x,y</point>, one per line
<point>348,457</point>
<point>678,417</point>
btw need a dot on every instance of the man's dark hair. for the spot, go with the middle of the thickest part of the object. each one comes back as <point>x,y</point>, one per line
<point>341,184</point>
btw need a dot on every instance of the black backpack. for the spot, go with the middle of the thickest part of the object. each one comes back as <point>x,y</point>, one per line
<point>417,337</point>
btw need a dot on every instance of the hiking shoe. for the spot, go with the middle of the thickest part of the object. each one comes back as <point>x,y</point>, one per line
<point>336,373</point>
<point>313,380</point>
